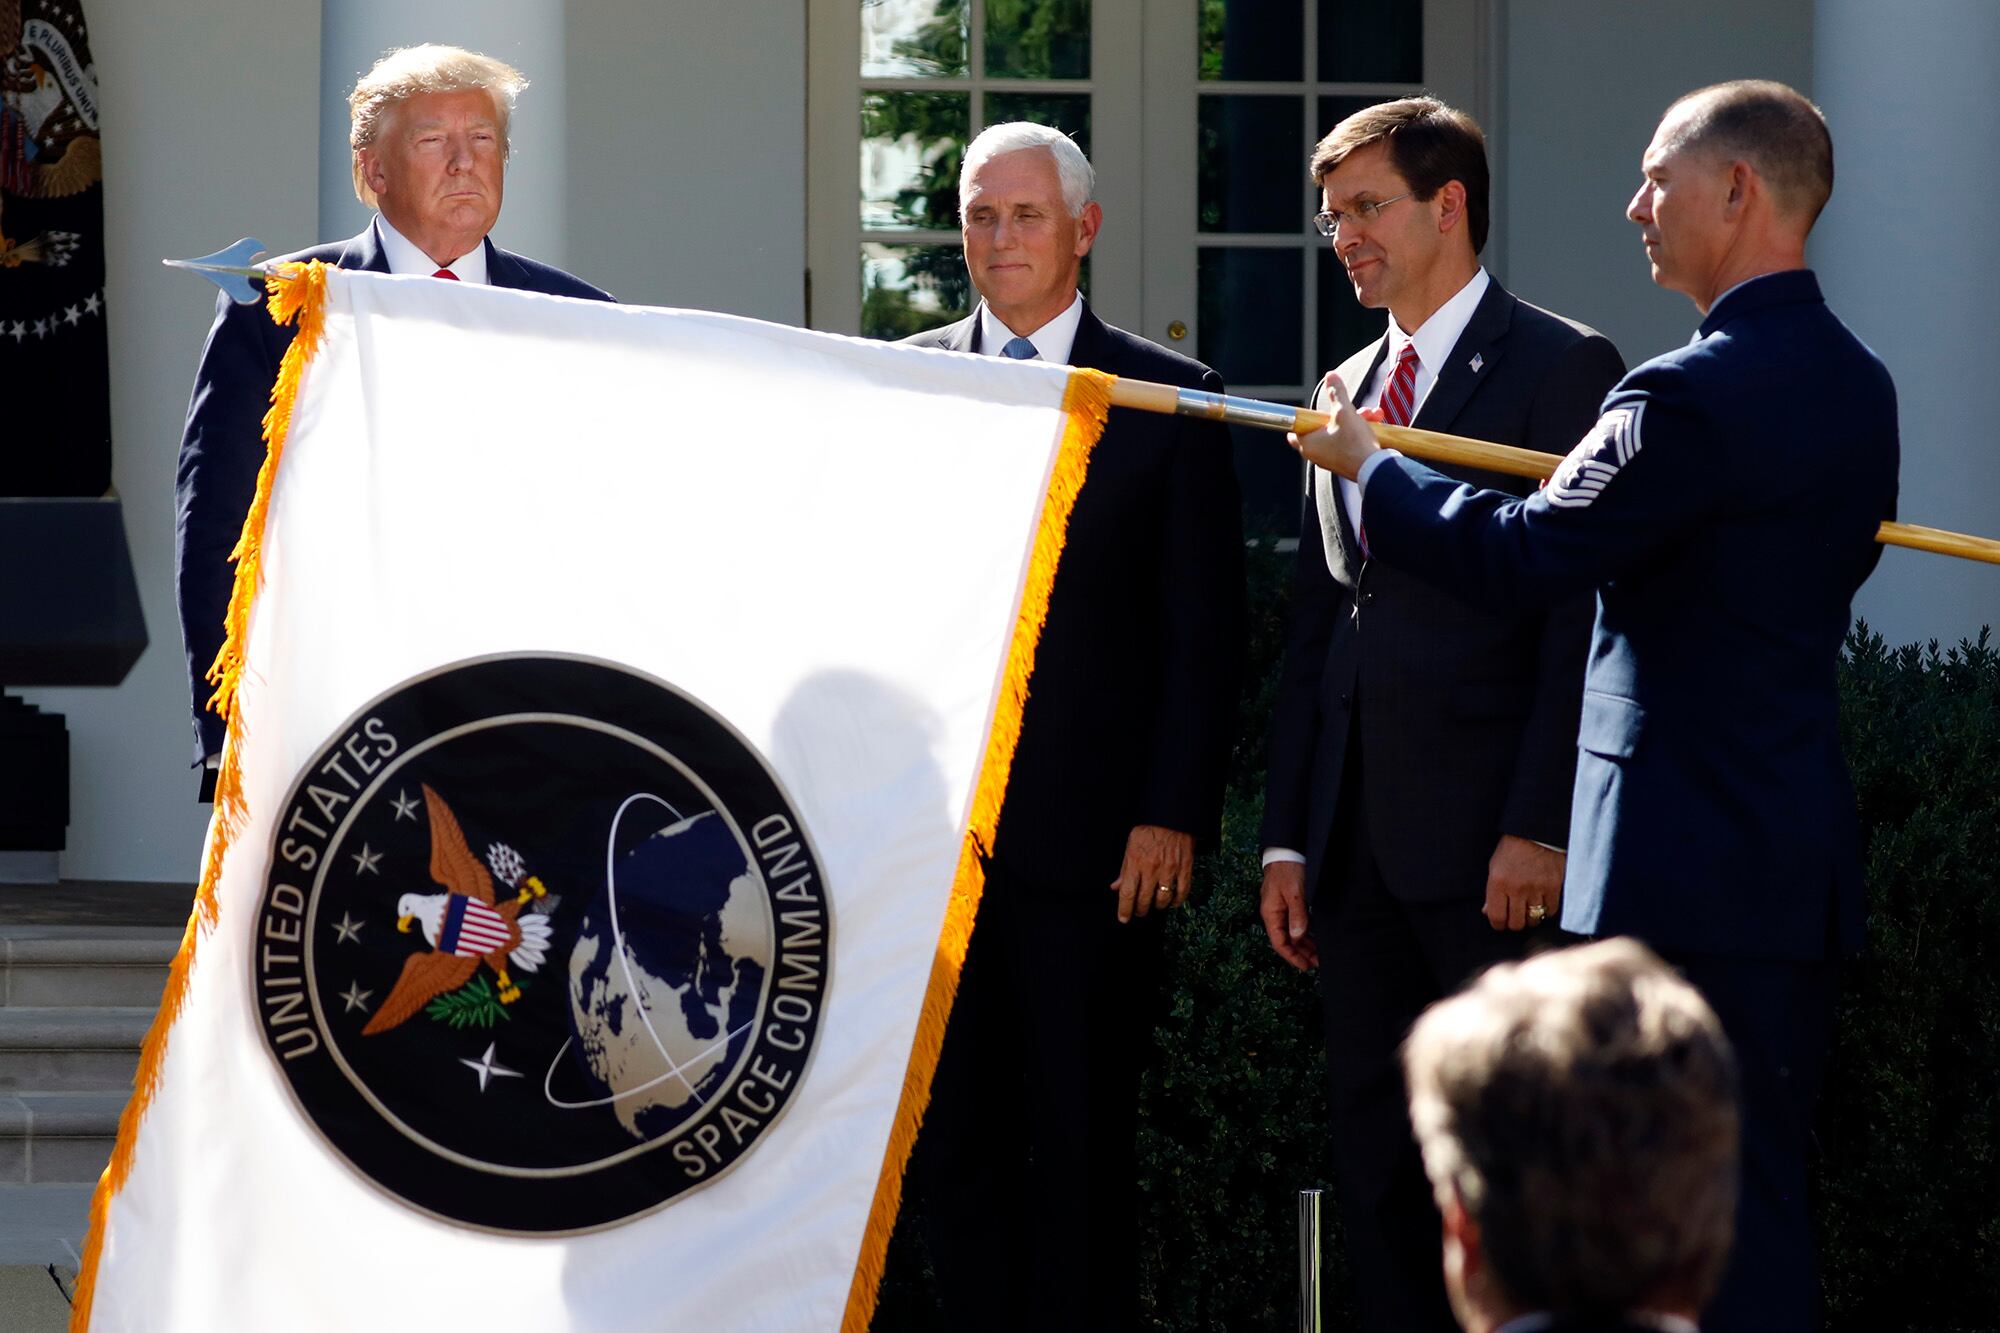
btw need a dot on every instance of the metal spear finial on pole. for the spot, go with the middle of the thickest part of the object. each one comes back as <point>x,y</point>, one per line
<point>234,269</point>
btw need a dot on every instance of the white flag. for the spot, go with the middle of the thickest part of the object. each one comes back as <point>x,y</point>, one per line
<point>624,697</point>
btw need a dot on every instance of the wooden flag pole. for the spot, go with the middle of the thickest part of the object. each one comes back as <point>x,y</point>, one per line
<point>1433,447</point>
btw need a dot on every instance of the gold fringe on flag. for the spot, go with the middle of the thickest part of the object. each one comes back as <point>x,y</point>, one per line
<point>1087,403</point>
<point>297,291</point>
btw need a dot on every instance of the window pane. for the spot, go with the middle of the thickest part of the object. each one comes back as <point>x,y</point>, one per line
<point>1038,39</point>
<point>1371,41</point>
<point>1345,325</point>
<point>1252,169</point>
<point>1252,303</point>
<point>1068,112</point>
<point>1333,110</point>
<point>906,289</point>
<point>1253,39</point>
<point>914,38</point>
<point>911,147</point>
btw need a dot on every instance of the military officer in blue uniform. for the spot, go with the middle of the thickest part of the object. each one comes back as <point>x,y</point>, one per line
<point>1724,507</point>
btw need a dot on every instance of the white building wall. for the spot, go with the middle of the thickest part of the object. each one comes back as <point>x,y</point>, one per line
<point>687,138</point>
<point>1905,251</point>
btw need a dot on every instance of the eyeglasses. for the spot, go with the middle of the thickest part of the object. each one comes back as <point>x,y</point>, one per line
<point>1328,223</point>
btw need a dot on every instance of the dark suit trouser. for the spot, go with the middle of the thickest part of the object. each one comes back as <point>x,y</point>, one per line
<point>1381,961</point>
<point>1026,1162</point>
<point>1779,1017</point>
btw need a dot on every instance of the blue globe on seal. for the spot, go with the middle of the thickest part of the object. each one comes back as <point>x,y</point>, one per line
<point>668,973</point>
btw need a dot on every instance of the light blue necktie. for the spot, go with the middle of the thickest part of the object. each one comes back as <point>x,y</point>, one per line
<point>1020,349</point>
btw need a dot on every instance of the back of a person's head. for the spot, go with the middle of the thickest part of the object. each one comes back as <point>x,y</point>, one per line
<point>1581,1108</point>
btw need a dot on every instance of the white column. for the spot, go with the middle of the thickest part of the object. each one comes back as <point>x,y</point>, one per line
<point>527,34</point>
<point>1905,251</point>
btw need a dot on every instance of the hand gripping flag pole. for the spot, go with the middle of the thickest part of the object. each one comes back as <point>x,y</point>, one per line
<point>1433,447</point>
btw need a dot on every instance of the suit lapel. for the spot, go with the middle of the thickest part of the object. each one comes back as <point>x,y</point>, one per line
<point>1343,548</point>
<point>964,335</point>
<point>1092,347</point>
<point>364,252</point>
<point>501,270</point>
<point>1484,339</point>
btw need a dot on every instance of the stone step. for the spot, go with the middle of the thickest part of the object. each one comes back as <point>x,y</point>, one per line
<point>43,1224</point>
<point>95,966</point>
<point>57,1138</point>
<point>71,1050</point>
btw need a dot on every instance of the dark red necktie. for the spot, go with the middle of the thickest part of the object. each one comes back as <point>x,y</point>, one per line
<point>1398,405</point>
<point>1399,400</point>
<point>445,273</point>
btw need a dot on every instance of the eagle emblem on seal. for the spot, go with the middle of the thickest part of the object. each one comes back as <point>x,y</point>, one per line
<point>465,926</point>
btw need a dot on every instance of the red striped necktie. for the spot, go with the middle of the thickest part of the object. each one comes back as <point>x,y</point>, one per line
<point>1399,400</point>
<point>1398,405</point>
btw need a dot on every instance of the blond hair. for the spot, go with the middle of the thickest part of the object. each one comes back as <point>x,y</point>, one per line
<point>430,68</point>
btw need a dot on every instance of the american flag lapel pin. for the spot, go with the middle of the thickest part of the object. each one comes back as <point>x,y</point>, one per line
<point>1477,362</point>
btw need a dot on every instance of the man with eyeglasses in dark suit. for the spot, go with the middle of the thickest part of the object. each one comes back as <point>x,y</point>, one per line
<point>1422,746</point>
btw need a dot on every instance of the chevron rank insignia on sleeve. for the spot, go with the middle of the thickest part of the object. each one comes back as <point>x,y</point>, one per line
<point>1611,444</point>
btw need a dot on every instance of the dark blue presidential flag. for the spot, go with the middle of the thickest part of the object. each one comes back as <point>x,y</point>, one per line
<point>57,437</point>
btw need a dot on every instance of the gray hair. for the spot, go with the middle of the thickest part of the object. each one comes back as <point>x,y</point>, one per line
<point>1581,1108</point>
<point>1073,169</point>
<point>1774,128</point>
<point>430,68</point>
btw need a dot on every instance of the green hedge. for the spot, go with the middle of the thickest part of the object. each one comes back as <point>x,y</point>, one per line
<point>1232,1118</point>
<point>1909,1126</point>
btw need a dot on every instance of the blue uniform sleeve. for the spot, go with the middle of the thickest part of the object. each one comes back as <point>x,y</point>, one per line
<point>1633,485</point>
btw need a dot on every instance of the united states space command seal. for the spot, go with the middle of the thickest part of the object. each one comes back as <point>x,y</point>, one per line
<point>542,946</point>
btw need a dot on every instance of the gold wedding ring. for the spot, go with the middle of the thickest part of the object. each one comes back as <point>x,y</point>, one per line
<point>1537,913</point>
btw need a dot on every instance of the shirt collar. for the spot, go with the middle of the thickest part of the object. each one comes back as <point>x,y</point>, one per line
<point>1053,341</point>
<point>404,256</point>
<point>1436,336</point>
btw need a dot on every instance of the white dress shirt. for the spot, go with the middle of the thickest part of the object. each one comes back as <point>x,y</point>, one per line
<point>1052,341</point>
<point>405,258</point>
<point>1434,338</point>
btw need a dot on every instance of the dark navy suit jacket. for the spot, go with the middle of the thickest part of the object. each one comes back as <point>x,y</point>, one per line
<point>1466,713</point>
<point>223,445</point>
<point>1132,706</point>
<point>1724,507</point>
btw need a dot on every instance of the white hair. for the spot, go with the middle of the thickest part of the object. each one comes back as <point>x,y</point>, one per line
<point>430,68</point>
<point>1073,169</point>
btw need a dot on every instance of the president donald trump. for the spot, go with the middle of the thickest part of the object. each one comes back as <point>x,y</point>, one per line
<point>428,131</point>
